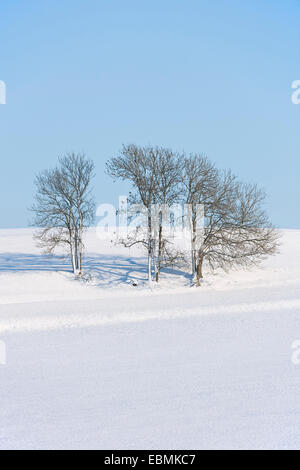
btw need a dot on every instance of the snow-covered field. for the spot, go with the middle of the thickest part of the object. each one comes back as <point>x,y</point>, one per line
<point>101,364</point>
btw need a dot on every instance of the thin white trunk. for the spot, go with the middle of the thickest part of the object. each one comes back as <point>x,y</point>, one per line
<point>73,247</point>
<point>150,249</point>
<point>149,267</point>
<point>155,265</point>
<point>80,245</point>
<point>193,250</point>
<point>73,259</point>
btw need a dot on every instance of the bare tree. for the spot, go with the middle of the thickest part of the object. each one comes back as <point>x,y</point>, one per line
<point>199,183</point>
<point>136,165</point>
<point>237,231</point>
<point>154,175</point>
<point>64,206</point>
<point>167,174</point>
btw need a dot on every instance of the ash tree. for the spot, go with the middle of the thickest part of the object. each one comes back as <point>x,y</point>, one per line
<point>237,231</point>
<point>135,164</point>
<point>154,174</point>
<point>64,207</point>
<point>199,182</point>
<point>167,177</point>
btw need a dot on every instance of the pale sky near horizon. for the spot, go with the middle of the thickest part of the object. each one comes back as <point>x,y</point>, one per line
<point>201,76</point>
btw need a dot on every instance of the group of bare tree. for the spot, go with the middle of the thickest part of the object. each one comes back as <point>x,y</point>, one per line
<point>234,228</point>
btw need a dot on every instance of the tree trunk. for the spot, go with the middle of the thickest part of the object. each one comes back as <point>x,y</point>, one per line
<point>72,251</point>
<point>76,253</point>
<point>155,265</point>
<point>80,251</point>
<point>194,260</point>
<point>149,263</point>
<point>160,242</point>
<point>199,271</point>
<point>193,247</point>
<point>73,259</point>
<point>80,246</point>
<point>150,249</point>
<point>80,262</point>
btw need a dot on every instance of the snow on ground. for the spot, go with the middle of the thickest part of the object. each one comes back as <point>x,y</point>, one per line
<point>101,364</point>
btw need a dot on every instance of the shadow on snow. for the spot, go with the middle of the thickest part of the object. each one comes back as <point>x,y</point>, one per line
<point>104,270</point>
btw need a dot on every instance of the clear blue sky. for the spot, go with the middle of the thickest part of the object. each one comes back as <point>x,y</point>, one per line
<point>212,76</point>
